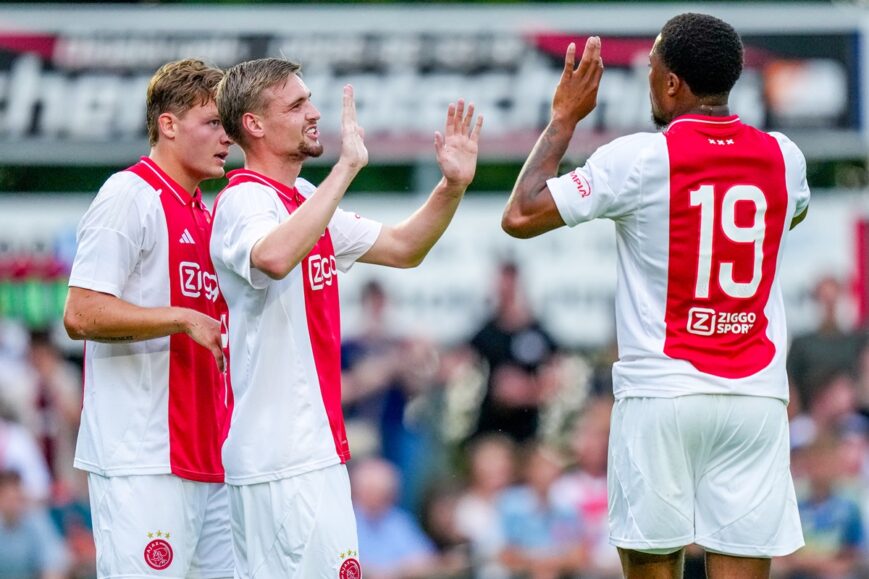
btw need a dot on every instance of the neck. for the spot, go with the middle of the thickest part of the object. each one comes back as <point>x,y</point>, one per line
<point>173,167</point>
<point>281,169</point>
<point>709,109</point>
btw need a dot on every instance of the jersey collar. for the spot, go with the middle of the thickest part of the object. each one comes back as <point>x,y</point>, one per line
<point>177,190</point>
<point>290,193</point>
<point>705,120</point>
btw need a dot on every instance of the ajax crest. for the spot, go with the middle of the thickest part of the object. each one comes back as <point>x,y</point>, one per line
<point>158,553</point>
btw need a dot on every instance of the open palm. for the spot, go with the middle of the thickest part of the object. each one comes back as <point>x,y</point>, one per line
<point>457,148</point>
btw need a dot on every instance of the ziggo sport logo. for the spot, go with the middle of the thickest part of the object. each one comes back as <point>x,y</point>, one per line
<point>321,271</point>
<point>705,322</point>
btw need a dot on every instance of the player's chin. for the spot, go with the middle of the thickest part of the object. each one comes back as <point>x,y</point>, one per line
<point>312,149</point>
<point>215,170</point>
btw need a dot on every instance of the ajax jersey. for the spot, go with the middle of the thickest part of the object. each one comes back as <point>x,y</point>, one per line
<point>155,406</point>
<point>701,212</point>
<point>287,374</point>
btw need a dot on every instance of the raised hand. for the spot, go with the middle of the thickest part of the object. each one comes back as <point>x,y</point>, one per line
<point>576,94</point>
<point>457,148</point>
<point>353,151</point>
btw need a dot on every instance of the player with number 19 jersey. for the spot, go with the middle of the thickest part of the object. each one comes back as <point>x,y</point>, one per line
<point>701,212</point>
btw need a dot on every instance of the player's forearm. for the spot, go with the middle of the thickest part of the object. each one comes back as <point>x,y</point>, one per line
<point>410,241</point>
<point>541,165</point>
<point>282,249</point>
<point>91,315</point>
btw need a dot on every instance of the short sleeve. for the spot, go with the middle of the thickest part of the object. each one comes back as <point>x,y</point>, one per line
<point>244,214</point>
<point>604,186</point>
<point>111,235</point>
<point>795,169</point>
<point>352,235</point>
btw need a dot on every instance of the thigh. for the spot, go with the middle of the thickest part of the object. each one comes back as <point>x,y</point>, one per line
<point>746,504</point>
<point>213,558</point>
<point>301,527</point>
<point>142,525</point>
<point>649,479</point>
<point>333,548</point>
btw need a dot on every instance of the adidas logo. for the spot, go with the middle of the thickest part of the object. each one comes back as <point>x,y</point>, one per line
<point>187,238</point>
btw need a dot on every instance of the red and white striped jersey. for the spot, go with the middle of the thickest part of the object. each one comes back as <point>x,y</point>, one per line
<point>287,333</point>
<point>701,213</point>
<point>155,406</point>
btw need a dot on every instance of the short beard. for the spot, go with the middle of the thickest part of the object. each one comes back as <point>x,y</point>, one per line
<point>659,121</point>
<point>310,150</point>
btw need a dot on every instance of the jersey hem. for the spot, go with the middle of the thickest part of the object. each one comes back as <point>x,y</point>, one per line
<point>198,476</point>
<point>127,471</point>
<point>634,392</point>
<point>284,473</point>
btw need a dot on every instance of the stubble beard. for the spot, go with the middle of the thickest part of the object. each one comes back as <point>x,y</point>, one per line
<point>308,150</point>
<point>659,121</point>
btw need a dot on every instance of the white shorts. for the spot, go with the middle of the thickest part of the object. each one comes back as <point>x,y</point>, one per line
<point>160,526</point>
<point>707,469</point>
<point>297,527</point>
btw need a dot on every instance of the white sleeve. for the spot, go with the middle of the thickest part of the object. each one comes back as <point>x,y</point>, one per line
<point>245,214</point>
<point>606,186</point>
<point>352,235</point>
<point>112,234</point>
<point>795,171</point>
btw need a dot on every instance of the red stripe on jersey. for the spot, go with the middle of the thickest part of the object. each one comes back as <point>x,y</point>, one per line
<point>200,396</point>
<point>322,309</point>
<point>728,206</point>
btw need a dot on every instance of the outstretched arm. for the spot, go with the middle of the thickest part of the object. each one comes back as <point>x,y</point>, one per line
<point>407,244</point>
<point>531,210</point>
<point>286,245</point>
<point>100,317</point>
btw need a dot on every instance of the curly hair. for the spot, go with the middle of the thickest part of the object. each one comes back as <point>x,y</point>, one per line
<point>702,50</point>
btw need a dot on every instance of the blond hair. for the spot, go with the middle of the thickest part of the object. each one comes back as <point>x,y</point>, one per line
<point>176,88</point>
<point>241,90</point>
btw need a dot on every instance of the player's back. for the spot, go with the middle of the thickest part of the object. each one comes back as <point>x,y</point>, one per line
<point>732,192</point>
<point>701,213</point>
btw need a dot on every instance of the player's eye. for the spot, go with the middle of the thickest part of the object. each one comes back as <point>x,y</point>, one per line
<point>214,123</point>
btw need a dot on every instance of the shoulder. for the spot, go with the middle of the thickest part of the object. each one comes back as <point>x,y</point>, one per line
<point>129,187</point>
<point>246,194</point>
<point>305,187</point>
<point>630,146</point>
<point>788,147</point>
<point>123,198</point>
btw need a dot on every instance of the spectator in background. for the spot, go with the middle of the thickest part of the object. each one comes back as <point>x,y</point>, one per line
<point>392,544</point>
<point>381,375</point>
<point>832,522</point>
<point>492,465</point>
<point>828,349</point>
<point>20,452</point>
<point>30,548</point>
<point>584,489</point>
<point>56,405</point>
<point>515,347</point>
<point>542,537</point>
<point>832,404</point>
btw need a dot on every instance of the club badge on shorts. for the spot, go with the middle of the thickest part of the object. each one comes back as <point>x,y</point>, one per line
<point>158,552</point>
<point>350,568</point>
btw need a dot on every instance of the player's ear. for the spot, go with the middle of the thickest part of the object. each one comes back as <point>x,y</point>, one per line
<point>167,125</point>
<point>674,84</point>
<point>252,124</point>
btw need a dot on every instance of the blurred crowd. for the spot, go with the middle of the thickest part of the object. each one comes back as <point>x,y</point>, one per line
<point>484,459</point>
